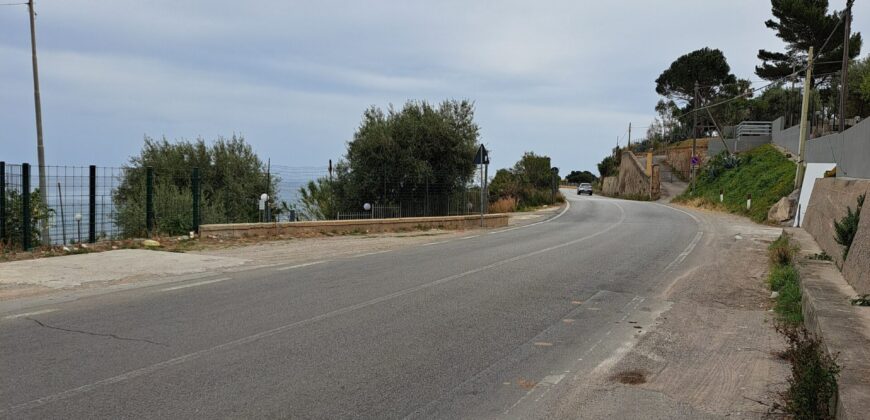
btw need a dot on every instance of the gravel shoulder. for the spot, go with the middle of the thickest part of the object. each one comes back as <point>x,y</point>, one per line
<point>713,354</point>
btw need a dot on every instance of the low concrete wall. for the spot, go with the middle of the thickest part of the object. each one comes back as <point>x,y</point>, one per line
<point>352,226</point>
<point>828,203</point>
<point>849,150</point>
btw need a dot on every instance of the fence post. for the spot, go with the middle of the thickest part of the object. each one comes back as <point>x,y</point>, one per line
<point>25,207</point>
<point>149,200</point>
<point>2,202</point>
<point>195,187</point>
<point>92,204</point>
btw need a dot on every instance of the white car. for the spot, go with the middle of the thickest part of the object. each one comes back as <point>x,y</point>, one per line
<point>584,188</point>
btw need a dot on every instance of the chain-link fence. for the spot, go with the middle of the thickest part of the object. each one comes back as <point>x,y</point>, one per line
<point>88,204</point>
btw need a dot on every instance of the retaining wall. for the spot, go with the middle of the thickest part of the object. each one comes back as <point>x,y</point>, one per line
<point>352,226</point>
<point>828,203</point>
<point>737,145</point>
<point>850,150</point>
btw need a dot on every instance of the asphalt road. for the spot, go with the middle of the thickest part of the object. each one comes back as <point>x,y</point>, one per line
<point>483,326</point>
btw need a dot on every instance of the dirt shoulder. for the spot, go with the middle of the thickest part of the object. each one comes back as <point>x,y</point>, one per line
<point>713,354</point>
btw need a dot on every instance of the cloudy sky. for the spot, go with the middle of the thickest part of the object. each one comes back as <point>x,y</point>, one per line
<point>562,78</point>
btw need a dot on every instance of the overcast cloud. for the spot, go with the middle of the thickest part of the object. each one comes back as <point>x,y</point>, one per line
<point>562,78</point>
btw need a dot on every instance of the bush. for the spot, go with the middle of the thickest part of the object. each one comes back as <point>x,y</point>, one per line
<point>781,275</point>
<point>503,205</point>
<point>846,228</point>
<point>813,384</point>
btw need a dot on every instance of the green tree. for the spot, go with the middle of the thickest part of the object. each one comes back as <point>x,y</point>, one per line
<point>776,101</point>
<point>802,24</point>
<point>858,100</point>
<point>232,179</point>
<point>609,166</point>
<point>706,66</point>
<point>402,156</point>
<point>579,177</point>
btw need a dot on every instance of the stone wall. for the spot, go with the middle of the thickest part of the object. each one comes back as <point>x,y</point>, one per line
<point>352,226</point>
<point>828,203</point>
<point>679,156</point>
<point>610,186</point>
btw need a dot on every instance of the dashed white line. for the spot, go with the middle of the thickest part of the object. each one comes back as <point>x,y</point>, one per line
<point>199,283</point>
<point>434,243</point>
<point>300,265</point>
<point>26,314</point>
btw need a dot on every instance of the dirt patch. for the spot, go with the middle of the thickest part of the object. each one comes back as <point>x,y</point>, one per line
<point>630,377</point>
<point>526,383</point>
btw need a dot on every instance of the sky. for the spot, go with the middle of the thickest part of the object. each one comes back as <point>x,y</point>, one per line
<point>560,78</point>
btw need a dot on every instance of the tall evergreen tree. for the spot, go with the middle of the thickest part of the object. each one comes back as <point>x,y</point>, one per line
<point>802,24</point>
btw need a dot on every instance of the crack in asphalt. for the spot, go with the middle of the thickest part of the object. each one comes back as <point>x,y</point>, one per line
<point>117,337</point>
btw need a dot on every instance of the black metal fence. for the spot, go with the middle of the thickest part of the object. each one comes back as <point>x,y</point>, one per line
<point>89,204</point>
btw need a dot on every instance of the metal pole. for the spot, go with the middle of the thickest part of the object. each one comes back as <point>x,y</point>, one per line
<point>694,134</point>
<point>149,201</point>
<point>92,204</point>
<point>25,207</point>
<point>195,189</point>
<point>799,177</point>
<point>844,74</point>
<point>481,194</point>
<point>62,219</point>
<point>40,150</point>
<point>2,202</point>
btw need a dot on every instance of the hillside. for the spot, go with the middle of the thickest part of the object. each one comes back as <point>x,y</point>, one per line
<point>763,172</point>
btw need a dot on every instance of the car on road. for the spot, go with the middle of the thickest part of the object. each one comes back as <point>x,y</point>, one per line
<point>584,188</point>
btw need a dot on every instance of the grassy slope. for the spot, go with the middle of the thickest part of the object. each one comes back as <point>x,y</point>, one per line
<point>764,172</point>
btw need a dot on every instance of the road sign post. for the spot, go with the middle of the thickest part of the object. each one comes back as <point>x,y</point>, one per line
<point>481,158</point>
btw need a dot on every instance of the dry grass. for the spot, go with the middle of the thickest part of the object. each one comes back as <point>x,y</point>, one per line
<point>504,205</point>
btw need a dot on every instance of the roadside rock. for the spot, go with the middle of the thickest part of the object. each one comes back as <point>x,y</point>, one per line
<point>784,209</point>
<point>150,243</point>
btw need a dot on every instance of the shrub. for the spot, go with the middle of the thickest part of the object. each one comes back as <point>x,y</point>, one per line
<point>503,205</point>
<point>781,275</point>
<point>846,228</point>
<point>813,383</point>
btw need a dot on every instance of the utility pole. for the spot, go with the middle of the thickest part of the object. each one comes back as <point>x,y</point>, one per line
<point>805,105</point>
<point>844,74</point>
<point>629,136</point>
<point>40,152</point>
<point>694,133</point>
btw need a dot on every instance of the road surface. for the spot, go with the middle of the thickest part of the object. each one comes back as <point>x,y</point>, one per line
<point>483,326</point>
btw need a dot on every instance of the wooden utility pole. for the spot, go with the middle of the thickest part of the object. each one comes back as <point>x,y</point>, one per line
<point>40,151</point>
<point>694,134</point>
<point>844,74</point>
<point>629,136</point>
<point>805,106</point>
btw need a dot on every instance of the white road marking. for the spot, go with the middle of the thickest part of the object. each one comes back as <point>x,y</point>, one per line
<point>370,253</point>
<point>26,314</point>
<point>686,252</point>
<point>467,237</point>
<point>435,243</point>
<point>199,283</point>
<point>301,265</point>
<point>284,328</point>
<point>552,379</point>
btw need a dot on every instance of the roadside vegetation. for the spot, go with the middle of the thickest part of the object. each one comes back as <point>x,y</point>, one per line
<point>530,184</point>
<point>763,172</point>
<point>812,386</point>
<point>846,228</point>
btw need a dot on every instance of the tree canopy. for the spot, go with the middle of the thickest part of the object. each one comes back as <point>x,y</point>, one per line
<point>706,66</point>
<point>408,154</point>
<point>579,177</point>
<point>802,24</point>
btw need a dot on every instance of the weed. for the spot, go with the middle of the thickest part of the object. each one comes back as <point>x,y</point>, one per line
<point>503,205</point>
<point>846,228</point>
<point>782,251</point>
<point>821,256</point>
<point>781,275</point>
<point>812,387</point>
<point>861,300</point>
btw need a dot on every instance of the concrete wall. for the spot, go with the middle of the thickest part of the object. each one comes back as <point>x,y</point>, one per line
<point>849,150</point>
<point>352,226</point>
<point>827,204</point>
<point>742,145</point>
